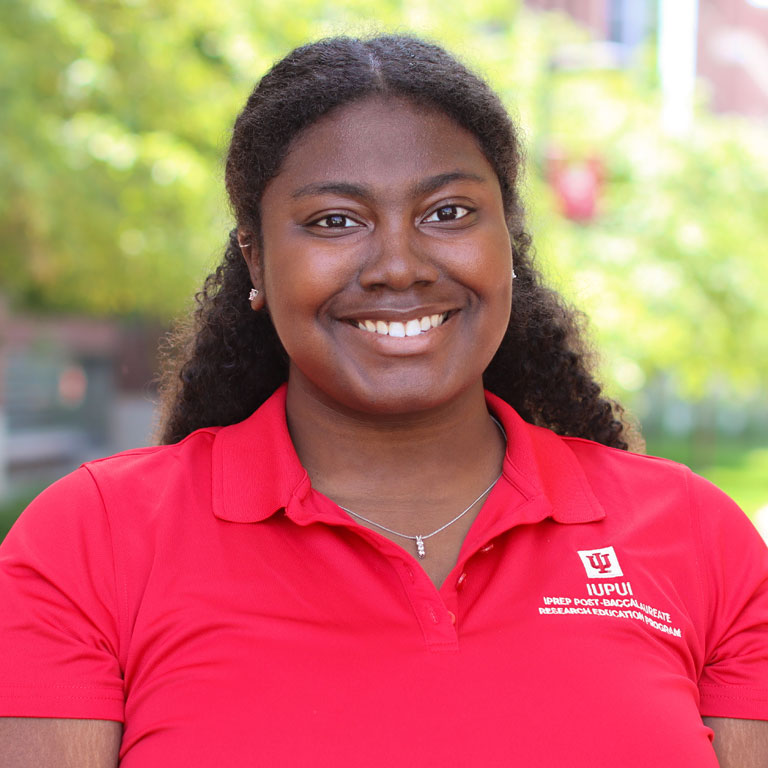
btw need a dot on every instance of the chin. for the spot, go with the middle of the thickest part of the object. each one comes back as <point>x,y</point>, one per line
<point>406,400</point>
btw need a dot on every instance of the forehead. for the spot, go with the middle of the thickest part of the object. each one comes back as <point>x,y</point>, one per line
<point>381,143</point>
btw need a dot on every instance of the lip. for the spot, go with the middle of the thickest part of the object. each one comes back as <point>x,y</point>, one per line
<point>399,346</point>
<point>395,315</point>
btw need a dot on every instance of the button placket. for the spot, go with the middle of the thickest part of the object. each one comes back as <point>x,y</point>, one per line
<point>436,621</point>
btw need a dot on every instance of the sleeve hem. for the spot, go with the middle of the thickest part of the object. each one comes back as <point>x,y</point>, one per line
<point>75,704</point>
<point>741,703</point>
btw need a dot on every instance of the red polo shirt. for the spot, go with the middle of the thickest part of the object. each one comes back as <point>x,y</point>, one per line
<point>205,595</point>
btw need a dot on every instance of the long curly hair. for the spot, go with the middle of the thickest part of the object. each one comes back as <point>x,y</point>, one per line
<point>227,359</point>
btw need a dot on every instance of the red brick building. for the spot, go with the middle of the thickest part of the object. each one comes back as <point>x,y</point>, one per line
<point>732,49</point>
<point>733,55</point>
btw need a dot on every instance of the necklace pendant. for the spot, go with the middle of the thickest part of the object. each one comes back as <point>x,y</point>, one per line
<point>422,553</point>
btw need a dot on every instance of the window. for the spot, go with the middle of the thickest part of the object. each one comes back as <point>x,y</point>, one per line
<point>629,22</point>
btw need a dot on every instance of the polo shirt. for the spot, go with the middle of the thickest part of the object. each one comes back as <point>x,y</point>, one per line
<point>206,596</point>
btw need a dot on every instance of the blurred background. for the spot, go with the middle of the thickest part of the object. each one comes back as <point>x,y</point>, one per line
<point>646,123</point>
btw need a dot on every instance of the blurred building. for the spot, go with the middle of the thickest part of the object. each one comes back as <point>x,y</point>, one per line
<point>733,55</point>
<point>731,50</point>
<point>71,389</point>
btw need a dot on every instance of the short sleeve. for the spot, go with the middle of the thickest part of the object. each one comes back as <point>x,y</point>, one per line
<point>59,628</point>
<point>734,680</point>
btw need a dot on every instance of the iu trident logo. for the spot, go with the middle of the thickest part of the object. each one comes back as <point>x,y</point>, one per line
<point>600,563</point>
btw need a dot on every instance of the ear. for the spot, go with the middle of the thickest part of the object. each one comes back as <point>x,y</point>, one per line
<point>246,240</point>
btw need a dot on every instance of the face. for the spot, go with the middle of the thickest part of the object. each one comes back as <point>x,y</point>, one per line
<point>386,261</point>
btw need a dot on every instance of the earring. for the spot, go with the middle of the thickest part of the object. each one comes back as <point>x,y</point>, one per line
<point>253,294</point>
<point>243,245</point>
<point>514,274</point>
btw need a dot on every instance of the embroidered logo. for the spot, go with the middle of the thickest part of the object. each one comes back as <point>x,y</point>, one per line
<point>600,563</point>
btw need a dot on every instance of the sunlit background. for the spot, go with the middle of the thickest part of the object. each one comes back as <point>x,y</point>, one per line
<point>646,123</point>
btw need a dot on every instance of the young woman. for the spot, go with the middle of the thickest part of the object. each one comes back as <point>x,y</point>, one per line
<point>394,522</point>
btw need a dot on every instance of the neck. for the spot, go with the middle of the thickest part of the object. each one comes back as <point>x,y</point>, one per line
<point>399,465</point>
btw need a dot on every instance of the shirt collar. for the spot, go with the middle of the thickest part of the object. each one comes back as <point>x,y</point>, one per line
<point>256,471</point>
<point>542,466</point>
<point>255,467</point>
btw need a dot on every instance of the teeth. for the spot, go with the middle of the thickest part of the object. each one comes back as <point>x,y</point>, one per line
<point>412,327</point>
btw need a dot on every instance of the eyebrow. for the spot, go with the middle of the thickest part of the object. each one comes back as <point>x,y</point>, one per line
<point>345,189</point>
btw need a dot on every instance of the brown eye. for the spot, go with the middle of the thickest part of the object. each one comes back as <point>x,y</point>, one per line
<point>335,221</point>
<point>448,213</point>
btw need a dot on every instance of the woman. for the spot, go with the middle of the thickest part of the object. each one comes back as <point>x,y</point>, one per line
<point>377,562</point>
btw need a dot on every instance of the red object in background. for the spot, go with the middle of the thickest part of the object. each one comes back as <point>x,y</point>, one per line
<point>577,184</point>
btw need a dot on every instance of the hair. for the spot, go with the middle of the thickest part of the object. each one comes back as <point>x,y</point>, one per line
<point>225,361</point>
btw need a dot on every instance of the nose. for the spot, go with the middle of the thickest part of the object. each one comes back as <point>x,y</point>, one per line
<point>397,259</point>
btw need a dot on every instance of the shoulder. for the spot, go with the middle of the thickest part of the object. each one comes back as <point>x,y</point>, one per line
<point>598,457</point>
<point>129,489</point>
<point>634,487</point>
<point>668,492</point>
<point>144,464</point>
<point>613,472</point>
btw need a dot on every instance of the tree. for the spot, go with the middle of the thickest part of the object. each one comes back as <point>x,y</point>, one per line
<point>116,116</point>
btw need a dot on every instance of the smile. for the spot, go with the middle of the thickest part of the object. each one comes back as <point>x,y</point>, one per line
<point>412,327</point>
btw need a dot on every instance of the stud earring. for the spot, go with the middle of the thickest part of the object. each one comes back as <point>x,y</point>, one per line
<point>514,274</point>
<point>253,294</point>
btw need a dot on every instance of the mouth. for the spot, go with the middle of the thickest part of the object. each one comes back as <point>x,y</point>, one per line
<point>401,328</point>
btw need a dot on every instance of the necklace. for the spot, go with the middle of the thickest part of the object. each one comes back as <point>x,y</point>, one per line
<point>419,538</point>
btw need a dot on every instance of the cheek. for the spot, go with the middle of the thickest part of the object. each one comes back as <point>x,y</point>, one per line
<point>299,284</point>
<point>301,287</point>
<point>487,269</point>
<point>498,287</point>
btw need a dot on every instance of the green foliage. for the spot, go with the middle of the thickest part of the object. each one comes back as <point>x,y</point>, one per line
<point>12,507</point>
<point>673,273</point>
<point>116,117</point>
<point>746,480</point>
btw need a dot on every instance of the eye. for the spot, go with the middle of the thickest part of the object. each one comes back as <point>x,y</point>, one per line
<point>335,221</point>
<point>447,213</point>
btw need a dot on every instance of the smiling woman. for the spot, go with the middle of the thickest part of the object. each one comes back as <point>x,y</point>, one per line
<point>357,205</point>
<point>393,520</point>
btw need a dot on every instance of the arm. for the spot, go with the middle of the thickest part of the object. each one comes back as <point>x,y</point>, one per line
<point>59,621</point>
<point>734,679</point>
<point>740,743</point>
<point>56,743</point>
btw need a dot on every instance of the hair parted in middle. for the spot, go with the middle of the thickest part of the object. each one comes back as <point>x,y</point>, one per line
<point>229,361</point>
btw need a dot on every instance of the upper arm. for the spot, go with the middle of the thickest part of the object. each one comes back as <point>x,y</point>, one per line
<point>57,743</point>
<point>60,623</point>
<point>740,743</point>
<point>733,611</point>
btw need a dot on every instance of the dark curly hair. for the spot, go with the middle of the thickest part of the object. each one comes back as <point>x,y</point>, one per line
<point>228,360</point>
